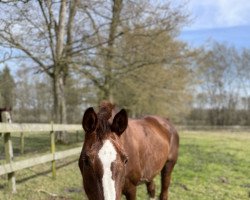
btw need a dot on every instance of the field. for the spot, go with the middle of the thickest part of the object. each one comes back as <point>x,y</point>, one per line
<point>211,166</point>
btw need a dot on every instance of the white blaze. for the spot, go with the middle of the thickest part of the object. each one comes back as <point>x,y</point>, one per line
<point>107,155</point>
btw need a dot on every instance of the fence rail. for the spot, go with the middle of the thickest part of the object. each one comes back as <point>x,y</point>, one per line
<point>11,166</point>
<point>35,128</point>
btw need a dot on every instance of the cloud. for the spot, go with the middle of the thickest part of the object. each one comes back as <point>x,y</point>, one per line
<point>219,13</point>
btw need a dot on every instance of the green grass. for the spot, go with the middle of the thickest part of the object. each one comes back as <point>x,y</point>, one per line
<point>211,166</point>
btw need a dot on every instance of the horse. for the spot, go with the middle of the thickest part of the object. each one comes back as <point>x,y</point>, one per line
<point>5,116</point>
<point>120,153</point>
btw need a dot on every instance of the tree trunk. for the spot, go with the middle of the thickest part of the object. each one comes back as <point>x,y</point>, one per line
<point>60,114</point>
<point>60,74</point>
<point>56,113</point>
<point>116,11</point>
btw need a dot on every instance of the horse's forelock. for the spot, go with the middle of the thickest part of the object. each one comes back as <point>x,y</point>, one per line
<point>104,114</point>
<point>105,110</point>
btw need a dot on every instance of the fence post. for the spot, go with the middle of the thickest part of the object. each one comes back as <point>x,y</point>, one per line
<point>9,159</point>
<point>22,143</point>
<point>9,153</point>
<point>52,150</point>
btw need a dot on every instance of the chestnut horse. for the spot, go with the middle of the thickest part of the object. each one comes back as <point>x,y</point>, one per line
<point>119,153</point>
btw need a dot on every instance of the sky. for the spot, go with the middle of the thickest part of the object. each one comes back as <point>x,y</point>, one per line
<point>225,21</point>
<point>219,13</point>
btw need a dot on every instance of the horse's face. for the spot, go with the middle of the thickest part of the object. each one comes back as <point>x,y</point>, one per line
<point>5,115</point>
<point>103,160</point>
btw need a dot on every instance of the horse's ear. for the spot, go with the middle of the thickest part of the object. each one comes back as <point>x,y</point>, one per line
<point>89,120</point>
<point>120,122</point>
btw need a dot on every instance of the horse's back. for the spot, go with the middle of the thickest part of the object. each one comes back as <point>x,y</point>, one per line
<point>148,142</point>
<point>170,132</point>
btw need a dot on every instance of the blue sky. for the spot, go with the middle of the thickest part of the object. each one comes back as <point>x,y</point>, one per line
<point>221,20</point>
<point>225,21</point>
<point>238,36</point>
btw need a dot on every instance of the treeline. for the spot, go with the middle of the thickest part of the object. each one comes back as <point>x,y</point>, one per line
<point>31,98</point>
<point>219,117</point>
<point>223,89</point>
<point>218,96</point>
<point>72,54</point>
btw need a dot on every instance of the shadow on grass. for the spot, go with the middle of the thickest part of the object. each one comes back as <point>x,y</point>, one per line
<point>38,143</point>
<point>42,173</point>
<point>33,144</point>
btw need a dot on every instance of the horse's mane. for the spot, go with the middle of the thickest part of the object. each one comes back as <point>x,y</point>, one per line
<point>105,110</point>
<point>104,114</point>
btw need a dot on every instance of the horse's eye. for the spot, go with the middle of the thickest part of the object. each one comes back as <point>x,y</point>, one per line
<point>125,160</point>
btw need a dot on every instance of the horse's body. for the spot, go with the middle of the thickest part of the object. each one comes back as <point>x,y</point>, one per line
<point>136,150</point>
<point>151,144</point>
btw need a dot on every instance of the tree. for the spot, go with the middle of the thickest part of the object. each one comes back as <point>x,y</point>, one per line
<point>7,87</point>
<point>223,84</point>
<point>161,85</point>
<point>63,38</point>
<point>75,92</point>
<point>243,73</point>
<point>42,33</point>
<point>141,36</point>
<point>34,99</point>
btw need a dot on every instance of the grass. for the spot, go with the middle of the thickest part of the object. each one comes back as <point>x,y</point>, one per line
<point>211,166</point>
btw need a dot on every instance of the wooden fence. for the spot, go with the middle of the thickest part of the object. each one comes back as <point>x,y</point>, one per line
<point>11,166</point>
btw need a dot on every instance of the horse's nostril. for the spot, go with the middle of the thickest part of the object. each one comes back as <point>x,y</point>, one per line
<point>86,162</point>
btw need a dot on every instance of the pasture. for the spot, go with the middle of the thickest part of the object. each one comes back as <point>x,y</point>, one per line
<point>212,165</point>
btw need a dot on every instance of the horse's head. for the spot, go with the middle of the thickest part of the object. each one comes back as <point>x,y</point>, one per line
<point>103,160</point>
<point>5,115</point>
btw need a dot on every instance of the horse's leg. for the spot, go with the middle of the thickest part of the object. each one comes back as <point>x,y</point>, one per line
<point>130,191</point>
<point>151,189</point>
<point>165,179</point>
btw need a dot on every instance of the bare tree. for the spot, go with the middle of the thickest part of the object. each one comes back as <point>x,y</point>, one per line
<point>128,36</point>
<point>33,97</point>
<point>42,33</point>
<point>223,85</point>
<point>106,41</point>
